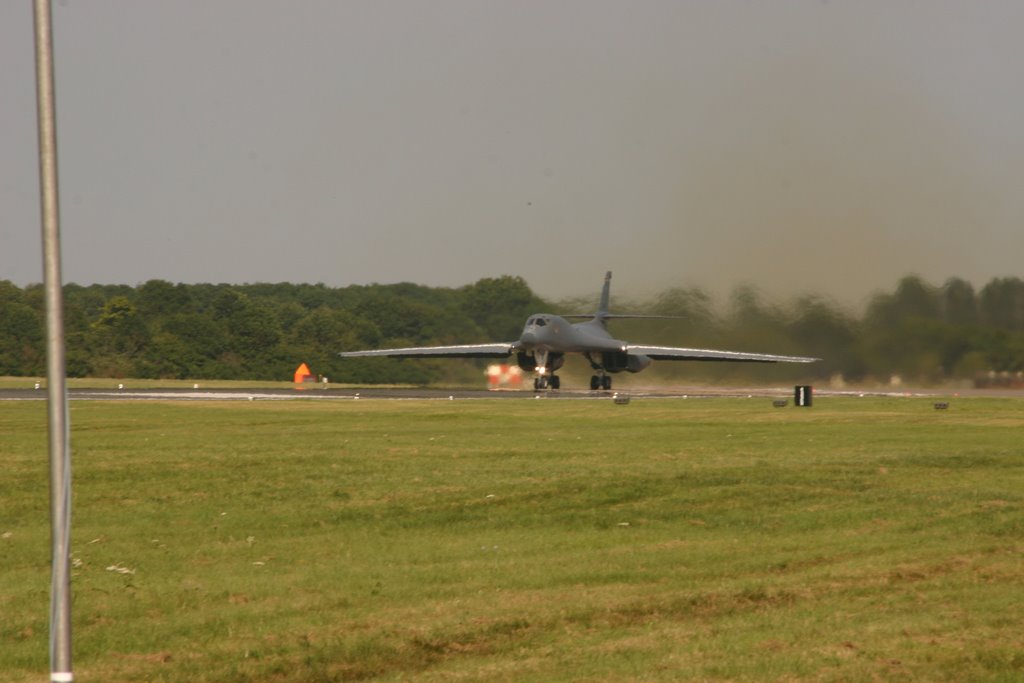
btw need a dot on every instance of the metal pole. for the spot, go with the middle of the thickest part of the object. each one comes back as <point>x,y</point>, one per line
<point>60,452</point>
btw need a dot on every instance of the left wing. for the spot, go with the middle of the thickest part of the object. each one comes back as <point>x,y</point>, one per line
<point>461,351</point>
<point>673,353</point>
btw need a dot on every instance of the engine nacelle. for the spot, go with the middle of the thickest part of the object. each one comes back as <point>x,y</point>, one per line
<point>617,361</point>
<point>528,362</point>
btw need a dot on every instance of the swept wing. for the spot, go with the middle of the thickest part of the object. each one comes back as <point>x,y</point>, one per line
<point>675,353</point>
<point>459,351</point>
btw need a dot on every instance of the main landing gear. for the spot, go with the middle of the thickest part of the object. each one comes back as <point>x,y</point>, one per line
<point>600,380</point>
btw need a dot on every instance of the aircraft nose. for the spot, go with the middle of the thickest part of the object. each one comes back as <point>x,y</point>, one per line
<point>528,339</point>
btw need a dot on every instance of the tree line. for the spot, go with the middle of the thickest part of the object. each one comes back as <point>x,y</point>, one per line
<point>919,331</point>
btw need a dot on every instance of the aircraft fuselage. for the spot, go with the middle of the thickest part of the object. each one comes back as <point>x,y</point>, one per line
<point>553,333</point>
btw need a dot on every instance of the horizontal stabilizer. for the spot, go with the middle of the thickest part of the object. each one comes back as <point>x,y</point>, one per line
<point>613,316</point>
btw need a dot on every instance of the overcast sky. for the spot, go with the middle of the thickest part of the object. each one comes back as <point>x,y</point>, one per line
<point>802,146</point>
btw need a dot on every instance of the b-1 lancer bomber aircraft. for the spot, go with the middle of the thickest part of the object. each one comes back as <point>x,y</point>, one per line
<point>546,338</point>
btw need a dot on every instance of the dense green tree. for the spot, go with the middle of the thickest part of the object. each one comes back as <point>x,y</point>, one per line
<point>1002,350</point>
<point>168,356</point>
<point>227,302</point>
<point>822,330</point>
<point>754,324</point>
<point>913,298</point>
<point>317,338</point>
<point>289,314</point>
<point>254,331</point>
<point>22,339</point>
<point>959,303</point>
<point>258,331</point>
<point>160,298</point>
<point>499,306</point>
<point>119,328</point>
<point>1002,303</point>
<point>207,337</point>
<point>748,309</point>
<point>117,339</point>
<point>399,320</point>
<point>91,300</point>
<point>692,304</point>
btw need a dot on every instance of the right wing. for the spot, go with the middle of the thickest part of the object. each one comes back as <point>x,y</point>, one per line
<point>673,353</point>
<point>460,351</point>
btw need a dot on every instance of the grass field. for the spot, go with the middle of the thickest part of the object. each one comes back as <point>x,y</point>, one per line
<point>534,540</point>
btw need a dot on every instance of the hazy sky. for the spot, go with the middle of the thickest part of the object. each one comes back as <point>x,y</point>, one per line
<point>799,145</point>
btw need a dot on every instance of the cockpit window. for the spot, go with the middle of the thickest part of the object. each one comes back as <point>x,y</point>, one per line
<point>541,322</point>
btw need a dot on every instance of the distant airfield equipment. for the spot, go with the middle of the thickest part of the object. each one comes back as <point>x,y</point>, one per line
<point>504,376</point>
<point>303,374</point>
<point>546,338</point>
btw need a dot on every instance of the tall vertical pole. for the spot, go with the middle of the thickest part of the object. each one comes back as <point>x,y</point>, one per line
<point>60,452</point>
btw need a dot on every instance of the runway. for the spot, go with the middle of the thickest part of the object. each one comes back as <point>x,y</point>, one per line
<point>319,394</point>
<point>414,393</point>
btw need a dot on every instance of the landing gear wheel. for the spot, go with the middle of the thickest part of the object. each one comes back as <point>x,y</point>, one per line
<point>606,383</point>
<point>540,383</point>
<point>595,382</point>
<point>556,381</point>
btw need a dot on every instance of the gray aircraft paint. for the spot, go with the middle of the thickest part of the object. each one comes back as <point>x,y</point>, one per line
<point>546,338</point>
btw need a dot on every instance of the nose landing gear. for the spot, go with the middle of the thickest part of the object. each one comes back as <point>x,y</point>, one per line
<point>547,382</point>
<point>544,380</point>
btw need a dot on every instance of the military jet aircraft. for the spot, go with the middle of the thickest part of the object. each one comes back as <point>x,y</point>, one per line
<point>546,338</point>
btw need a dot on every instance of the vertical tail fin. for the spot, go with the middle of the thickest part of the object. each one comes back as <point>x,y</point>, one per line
<point>602,307</point>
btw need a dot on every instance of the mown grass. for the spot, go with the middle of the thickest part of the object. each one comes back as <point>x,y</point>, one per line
<point>528,540</point>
